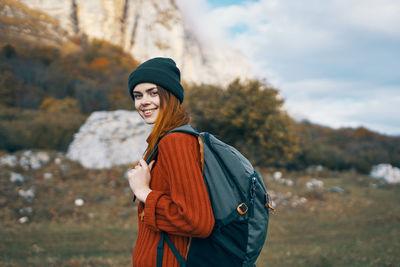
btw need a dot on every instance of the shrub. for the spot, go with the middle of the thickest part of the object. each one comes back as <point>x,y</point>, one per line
<point>65,105</point>
<point>24,129</point>
<point>247,115</point>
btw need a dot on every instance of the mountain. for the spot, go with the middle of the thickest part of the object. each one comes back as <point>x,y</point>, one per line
<point>144,28</point>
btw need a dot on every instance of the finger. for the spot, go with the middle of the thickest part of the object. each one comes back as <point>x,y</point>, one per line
<point>143,163</point>
<point>151,164</point>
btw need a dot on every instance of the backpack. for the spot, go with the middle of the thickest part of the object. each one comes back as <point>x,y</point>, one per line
<point>240,206</point>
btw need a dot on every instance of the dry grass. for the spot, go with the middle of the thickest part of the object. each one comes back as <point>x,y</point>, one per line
<point>357,228</point>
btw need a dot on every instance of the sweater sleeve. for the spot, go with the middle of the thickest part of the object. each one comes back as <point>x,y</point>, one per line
<point>186,209</point>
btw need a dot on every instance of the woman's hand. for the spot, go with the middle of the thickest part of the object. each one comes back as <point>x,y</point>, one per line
<point>139,179</point>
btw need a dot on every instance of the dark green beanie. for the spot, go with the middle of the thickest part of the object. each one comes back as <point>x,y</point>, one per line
<point>160,71</point>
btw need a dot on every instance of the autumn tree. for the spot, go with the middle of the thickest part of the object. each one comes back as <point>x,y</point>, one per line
<point>247,115</point>
<point>65,105</point>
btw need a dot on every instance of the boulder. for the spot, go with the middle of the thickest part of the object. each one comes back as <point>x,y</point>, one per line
<point>109,138</point>
<point>387,172</point>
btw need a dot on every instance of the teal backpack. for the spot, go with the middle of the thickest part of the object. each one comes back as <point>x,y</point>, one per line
<point>240,205</point>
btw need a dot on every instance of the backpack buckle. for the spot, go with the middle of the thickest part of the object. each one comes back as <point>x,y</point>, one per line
<point>242,208</point>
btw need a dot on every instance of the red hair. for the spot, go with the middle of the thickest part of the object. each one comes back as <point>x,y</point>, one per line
<point>171,115</point>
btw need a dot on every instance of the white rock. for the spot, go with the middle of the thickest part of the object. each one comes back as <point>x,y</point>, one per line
<point>47,175</point>
<point>23,219</point>
<point>79,202</point>
<point>30,159</point>
<point>44,158</point>
<point>303,200</point>
<point>289,182</point>
<point>16,178</point>
<point>9,160</point>
<point>387,172</point>
<point>57,161</point>
<point>33,160</point>
<point>315,184</point>
<point>317,168</point>
<point>277,175</point>
<point>27,194</point>
<point>110,138</point>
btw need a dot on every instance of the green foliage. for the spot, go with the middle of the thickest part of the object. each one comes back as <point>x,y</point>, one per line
<point>23,129</point>
<point>9,89</point>
<point>342,149</point>
<point>246,115</point>
<point>9,51</point>
<point>87,75</point>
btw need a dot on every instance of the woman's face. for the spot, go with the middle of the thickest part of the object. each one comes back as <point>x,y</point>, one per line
<point>147,101</point>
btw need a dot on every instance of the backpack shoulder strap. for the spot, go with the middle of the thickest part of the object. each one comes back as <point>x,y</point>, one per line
<point>185,129</point>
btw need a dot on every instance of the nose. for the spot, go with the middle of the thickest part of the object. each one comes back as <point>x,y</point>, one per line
<point>145,99</point>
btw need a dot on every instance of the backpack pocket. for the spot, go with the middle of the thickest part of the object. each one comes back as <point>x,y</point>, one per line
<point>225,247</point>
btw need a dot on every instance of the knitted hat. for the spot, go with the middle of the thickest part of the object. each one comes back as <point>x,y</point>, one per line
<point>160,71</point>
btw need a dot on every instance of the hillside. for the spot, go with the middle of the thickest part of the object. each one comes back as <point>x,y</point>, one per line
<point>39,85</point>
<point>53,212</point>
<point>143,29</point>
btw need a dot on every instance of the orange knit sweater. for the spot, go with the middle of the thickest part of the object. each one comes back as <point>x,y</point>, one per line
<point>178,204</point>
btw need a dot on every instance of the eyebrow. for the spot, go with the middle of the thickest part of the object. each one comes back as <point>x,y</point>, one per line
<point>149,89</point>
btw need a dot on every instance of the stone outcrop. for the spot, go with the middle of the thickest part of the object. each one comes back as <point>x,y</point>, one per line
<point>109,138</point>
<point>19,23</point>
<point>387,172</point>
<point>145,28</point>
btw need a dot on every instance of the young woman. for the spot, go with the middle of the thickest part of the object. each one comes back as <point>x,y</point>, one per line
<point>172,194</point>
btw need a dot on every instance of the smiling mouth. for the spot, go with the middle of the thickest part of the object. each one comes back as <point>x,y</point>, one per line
<point>148,112</point>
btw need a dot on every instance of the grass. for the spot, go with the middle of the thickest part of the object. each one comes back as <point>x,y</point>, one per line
<point>360,227</point>
<point>67,244</point>
<point>357,228</point>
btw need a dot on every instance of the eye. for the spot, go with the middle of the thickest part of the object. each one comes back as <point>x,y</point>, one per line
<point>154,93</point>
<point>137,96</point>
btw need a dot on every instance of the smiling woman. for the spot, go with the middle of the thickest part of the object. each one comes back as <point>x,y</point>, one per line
<point>170,186</point>
<point>147,101</point>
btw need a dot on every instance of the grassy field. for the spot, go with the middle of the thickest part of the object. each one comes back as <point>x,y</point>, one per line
<point>360,227</point>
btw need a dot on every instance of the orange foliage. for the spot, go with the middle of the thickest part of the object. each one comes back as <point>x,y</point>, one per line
<point>362,132</point>
<point>100,62</point>
<point>65,105</point>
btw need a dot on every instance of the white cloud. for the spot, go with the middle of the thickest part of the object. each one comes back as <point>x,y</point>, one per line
<point>335,103</point>
<point>334,61</point>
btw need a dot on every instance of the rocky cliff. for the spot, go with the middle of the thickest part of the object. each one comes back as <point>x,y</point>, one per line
<point>145,28</point>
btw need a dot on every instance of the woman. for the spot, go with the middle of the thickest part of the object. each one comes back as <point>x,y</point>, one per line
<point>172,194</point>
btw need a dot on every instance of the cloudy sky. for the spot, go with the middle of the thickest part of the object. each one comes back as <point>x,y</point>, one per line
<point>336,62</point>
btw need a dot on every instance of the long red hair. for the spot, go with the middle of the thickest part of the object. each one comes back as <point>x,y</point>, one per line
<point>171,115</point>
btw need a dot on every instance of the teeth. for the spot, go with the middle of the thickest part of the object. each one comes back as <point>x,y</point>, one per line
<point>147,112</point>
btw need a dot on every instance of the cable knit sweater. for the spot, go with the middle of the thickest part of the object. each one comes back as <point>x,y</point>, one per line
<point>178,204</point>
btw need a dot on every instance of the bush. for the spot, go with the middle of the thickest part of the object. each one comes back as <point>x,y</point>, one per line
<point>65,105</point>
<point>9,51</point>
<point>344,148</point>
<point>247,115</point>
<point>26,129</point>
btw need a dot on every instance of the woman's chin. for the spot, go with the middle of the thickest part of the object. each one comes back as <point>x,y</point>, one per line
<point>149,120</point>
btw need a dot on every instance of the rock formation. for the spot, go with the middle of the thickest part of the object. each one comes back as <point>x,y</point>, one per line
<point>20,23</point>
<point>145,28</point>
<point>109,138</point>
<point>387,172</point>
